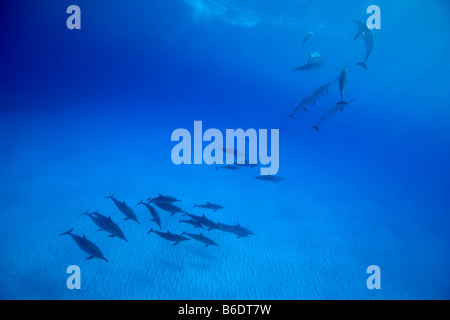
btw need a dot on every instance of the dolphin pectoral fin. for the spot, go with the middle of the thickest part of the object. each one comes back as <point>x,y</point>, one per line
<point>316,128</point>
<point>176,243</point>
<point>357,35</point>
<point>152,220</point>
<point>100,229</point>
<point>362,64</point>
<point>206,245</point>
<point>126,218</point>
<point>67,232</point>
<point>111,236</point>
<point>89,258</point>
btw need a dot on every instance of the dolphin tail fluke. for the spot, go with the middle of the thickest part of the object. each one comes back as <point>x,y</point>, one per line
<point>86,213</point>
<point>109,197</point>
<point>195,205</point>
<point>316,128</point>
<point>67,232</point>
<point>290,116</point>
<point>304,109</point>
<point>151,230</point>
<point>140,202</point>
<point>362,64</point>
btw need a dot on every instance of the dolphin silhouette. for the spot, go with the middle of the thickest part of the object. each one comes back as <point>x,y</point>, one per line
<point>369,40</point>
<point>153,212</point>
<point>201,238</point>
<point>106,224</point>
<point>315,61</point>
<point>210,206</point>
<point>175,238</point>
<point>340,106</point>
<point>308,36</point>
<point>126,210</point>
<point>87,246</point>
<point>271,178</point>
<point>163,199</point>
<point>343,81</point>
<point>209,224</point>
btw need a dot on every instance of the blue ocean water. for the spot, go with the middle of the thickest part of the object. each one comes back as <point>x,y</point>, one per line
<point>88,113</point>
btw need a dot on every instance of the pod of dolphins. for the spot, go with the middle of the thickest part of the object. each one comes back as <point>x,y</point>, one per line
<point>165,203</point>
<point>315,61</point>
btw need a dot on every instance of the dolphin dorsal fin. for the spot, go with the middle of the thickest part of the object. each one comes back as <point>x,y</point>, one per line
<point>160,194</point>
<point>168,231</point>
<point>84,237</point>
<point>238,225</point>
<point>204,215</point>
<point>207,202</point>
<point>109,218</point>
<point>124,202</point>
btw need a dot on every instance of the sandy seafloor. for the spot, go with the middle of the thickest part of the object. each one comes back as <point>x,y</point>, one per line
<point>317,230</point>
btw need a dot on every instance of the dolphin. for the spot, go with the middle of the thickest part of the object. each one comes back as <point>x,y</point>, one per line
<point>319,92</point>
<point>238,230</point>
<point>193,223</point>
<point>271,178</point>
<point>314,62</point>
<point>163,199</point>
<point>175,238</point>
<point>305,102</point>
<point>324,88</point>
<point>231,167</point>
<point>369,40</point>
<point>169,208</point>
<point>87,246</point>
<point>200,237</point>
<point>342,82</point>
<point>106,224</point>
<point>210,206</point>
<point>340,106</point>
<point>209,224</point>
<point>308,36</point>
<point>126,210</point>
<point>153,212</point>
